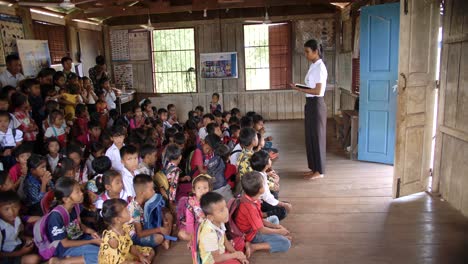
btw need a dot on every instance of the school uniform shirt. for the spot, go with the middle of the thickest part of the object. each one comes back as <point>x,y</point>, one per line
<point>267,196</point>
<point>6,78</point>
<point>317,74</point>
<point>9,235</point>
<point>14,123</point>
<point>89,164</point>
<point>127,179</point>
<point>8,140</point>
<point>110,100</point>
<point>57,132</point>
<point>26,123</point>
<point>81,176</point>
<point>52,162</point>
<point>249,217</point>
<point>56,230</point>
<point>236,153</point>
<point>210,239</point>
<point>104,197</point>
<point>113,153</point>
<point>202,133</point>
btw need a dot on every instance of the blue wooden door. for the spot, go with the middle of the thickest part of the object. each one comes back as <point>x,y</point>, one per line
<point>379,38</point>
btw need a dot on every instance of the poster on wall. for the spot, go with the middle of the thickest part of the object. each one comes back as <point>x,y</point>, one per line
<point>218,65</point>
<point>119,45</point>
<point>11,29</point>
<point>34,55</point>
<point>138,45</point>
<point>123,75</point>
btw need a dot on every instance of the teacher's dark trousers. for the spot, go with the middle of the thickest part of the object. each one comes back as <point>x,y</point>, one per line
<point>315,112</point>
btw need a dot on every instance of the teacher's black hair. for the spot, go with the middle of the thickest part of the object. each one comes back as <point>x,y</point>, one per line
<point>314,45</point>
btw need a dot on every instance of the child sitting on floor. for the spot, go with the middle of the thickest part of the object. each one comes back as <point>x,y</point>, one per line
<point>213,246</point>
<point>37,183</point>
<point>18,172</point>
<point>118,134</point>
<point>112,182</point>
<point>148,156</point>
<point>248,140</point>
<point>263,234</point>
<point>129,155</point>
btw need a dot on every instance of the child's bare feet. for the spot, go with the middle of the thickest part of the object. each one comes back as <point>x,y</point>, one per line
<point>54,260</point>
<point>248,249</point>
<point>166,244</point>
<point>289,238</point>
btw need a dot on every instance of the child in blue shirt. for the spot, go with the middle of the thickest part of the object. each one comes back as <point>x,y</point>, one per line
<point>37,183</point>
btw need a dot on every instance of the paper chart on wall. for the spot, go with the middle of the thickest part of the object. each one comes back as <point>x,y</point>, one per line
<point>11,29</point>
<point>123,75</point>
<point>138,45</point>
<point>119,45</point>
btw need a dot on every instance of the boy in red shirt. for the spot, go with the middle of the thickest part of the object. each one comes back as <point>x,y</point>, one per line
<point>262,234</point>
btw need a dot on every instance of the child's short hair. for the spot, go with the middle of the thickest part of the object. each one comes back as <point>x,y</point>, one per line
<point>3,177</point>
<point>218,113</point>
<point>235,111</point>
<point>246,136</point>
<point>234,128</point>
<point>207,201</point>
<point>170,133</point>
<point>178,127</point>
<point>191,114</point>
<point>146,150</point>
<point>225,114</point>
<point>93,124</point>
<point>114,114</point>
<point>118,131</point>
<point>215,94</point>
<point>257,118</point>
<point>173,152</point>
<point>179,138</point>
<point>26,84</point>
<point>5,113</point>
<point>54,115</point>
<point>252,182</point>
<point>58,75</point>
<point>74,148</point>
<point>223,151</point>
<point>128,150</point>
<point>157,123</point>
<point>203,178</point>
<point>170,106</point>
<point>111,209</point>
<point>50,140</point>
<point>51,105</point>
<point>161,111</point>
<point>80,109</point>
<point>250,114</point>
<point>200,108</point>
<point>35,161</point>
<point>9,197</point>
<point>246,121</point>
<point>63,166</point>
<point>101,165</point>
<point>18,99</point>
<point>210,116</point>
<point>22,149</point>
<point>259,160</point>
<point>109,176</point>
<point>140,181</point>
<point>213,141</point>
<point>145,103</point>
<point>96,147</point>
<point>210,128</point>
<point>63,188</point>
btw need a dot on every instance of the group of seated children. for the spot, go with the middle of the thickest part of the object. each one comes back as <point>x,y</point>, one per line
<point>112,192</point>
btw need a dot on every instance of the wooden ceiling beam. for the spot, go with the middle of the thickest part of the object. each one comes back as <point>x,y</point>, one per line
<point>164,7</point>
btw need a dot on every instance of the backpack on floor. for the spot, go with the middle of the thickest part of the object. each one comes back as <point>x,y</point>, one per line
<point>180,211</point>
<point>46,248</point>
<point>233,232</point>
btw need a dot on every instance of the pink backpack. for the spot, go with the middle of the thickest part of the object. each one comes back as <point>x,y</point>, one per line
<point>46,247</point>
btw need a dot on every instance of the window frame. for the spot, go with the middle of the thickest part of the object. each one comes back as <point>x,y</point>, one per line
<point>65,41</point>
<point>291,50</point>
<point>153,64</point>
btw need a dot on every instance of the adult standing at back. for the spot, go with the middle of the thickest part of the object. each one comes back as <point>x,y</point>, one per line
<point>98,72</point>
<point>12,75</point>
<point>315,110</point>
<point>67,64</point>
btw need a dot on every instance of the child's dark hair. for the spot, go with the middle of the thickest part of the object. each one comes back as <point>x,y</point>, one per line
<point>107,179</point>
<point>234,128</point>
<point>246,121</point>
<point>35,161</point>
<point>114,114</point>
<point>170,133</point>
<point>63,166</point>
<point>50,140</point>
<point>22,149</point>
<point>5,113</point>
<point>173,152</point>
<point>246,136</point>
<point>147,149</point>
<point>128,150</point>
<point>250,114</point>
<point>51,105</point>
<point>25,85</point>
<point>210,128</point>
<point>80,110</point>
<point>225,114</point>
<point>259,160</point>
<point>102,164</point>
<point>18,99</point>
<point>73,148</point>
<point>191,113</point>
<point>135,107</point>
<point>203,178</point>
<point>58,75</point>
<point>218,113</point>
<point>111,209</point>
<point>210,116</point>
<point>54,115</point>
<point>140,180</point>
<point>117,131</point>
<point>208,199</point>
<point>213,141</point>
<point>223,151</point>
<point>257,118</point>
<point>145,103</point>
<point>233,120</point>
<point>252,182</point>
<point>235,111</point>
<point>170,106</point>
<point>179,138</point>
<point>96,147</point>
<point>3,177</point>
<point>314,45</point>
<point>9,197</point>
<point>200,108</point>
<point>178,127</point>
<point>161,111</point>
<point>93,124</point>
<point>215,94</point>
<point>63,188</point>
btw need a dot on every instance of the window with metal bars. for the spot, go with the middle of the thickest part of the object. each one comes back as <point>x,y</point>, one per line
<point>56,37</point>
<point>267,56</point>
<point>174,60</point>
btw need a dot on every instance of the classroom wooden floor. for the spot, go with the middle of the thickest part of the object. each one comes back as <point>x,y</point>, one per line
<point>350,217</point>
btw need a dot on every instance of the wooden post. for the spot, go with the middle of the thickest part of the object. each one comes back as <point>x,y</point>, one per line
<point>26,18</point>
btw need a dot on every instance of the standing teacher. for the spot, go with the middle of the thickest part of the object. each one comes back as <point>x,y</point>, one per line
<point>315,110</point>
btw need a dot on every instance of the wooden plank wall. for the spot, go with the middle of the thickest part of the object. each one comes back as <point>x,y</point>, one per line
<point>218,36</point>
<point>451,151</point>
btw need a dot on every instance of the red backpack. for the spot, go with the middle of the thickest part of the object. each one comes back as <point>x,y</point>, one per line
<point>233,232</point>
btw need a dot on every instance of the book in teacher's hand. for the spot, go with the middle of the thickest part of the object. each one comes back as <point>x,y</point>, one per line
<point>302,86</point>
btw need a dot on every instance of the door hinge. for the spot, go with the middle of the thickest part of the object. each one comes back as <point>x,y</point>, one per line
<point>437,84</point>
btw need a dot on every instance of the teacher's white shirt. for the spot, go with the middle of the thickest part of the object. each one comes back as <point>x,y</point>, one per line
<point>317,74</point>
<point>6,78</point>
